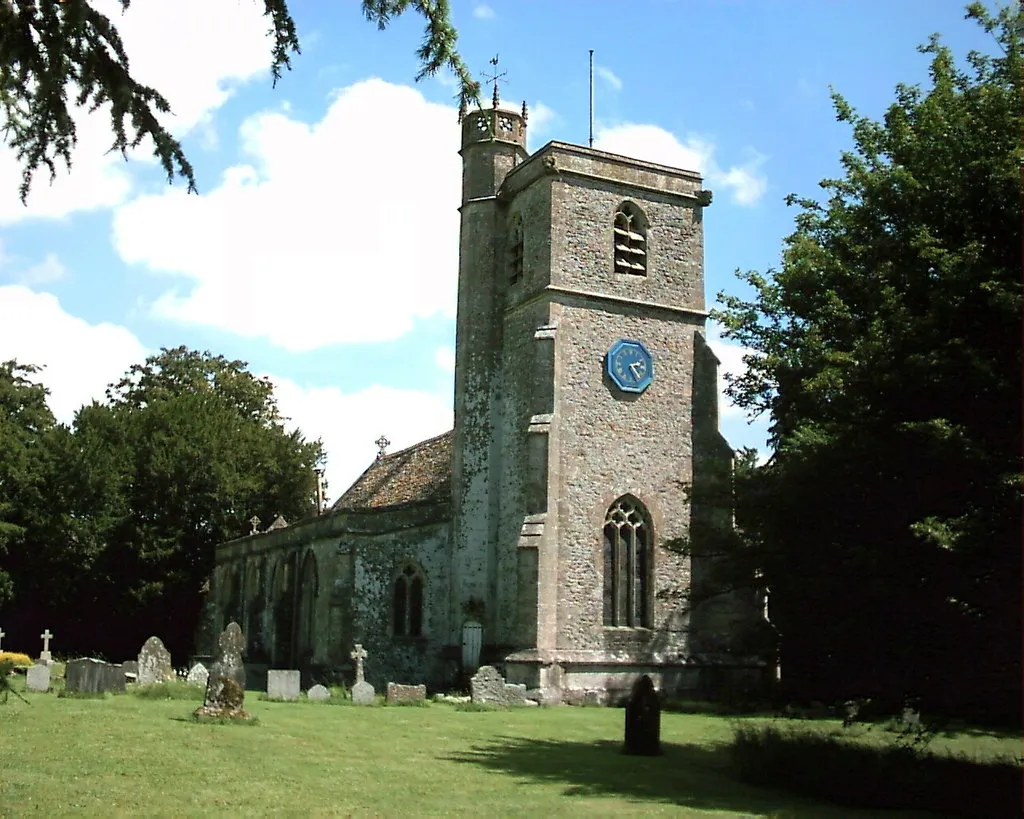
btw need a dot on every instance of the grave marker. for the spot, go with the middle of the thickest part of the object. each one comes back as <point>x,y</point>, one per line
<point>362,691</point>
<point>406,694</point>
<point>318,693</point>
<point>44,656</point>
<point>154,663</point>
<point>283,685</point>
<point>38,678</point>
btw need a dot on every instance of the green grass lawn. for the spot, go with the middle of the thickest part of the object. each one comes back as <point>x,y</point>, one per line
<point>126,755</point>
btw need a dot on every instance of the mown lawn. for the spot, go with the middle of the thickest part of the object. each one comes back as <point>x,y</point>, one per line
<point>125,755</point>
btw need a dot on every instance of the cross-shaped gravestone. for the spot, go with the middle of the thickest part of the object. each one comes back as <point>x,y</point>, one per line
<point>2,635</point>
<point>359,654</point>
<point>45,655</point>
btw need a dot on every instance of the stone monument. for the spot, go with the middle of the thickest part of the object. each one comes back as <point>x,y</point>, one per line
<point>38,678</point>
<point>44,655</point>
<point>154,663</point>
<point>225,687</point>
<point>362,691</point>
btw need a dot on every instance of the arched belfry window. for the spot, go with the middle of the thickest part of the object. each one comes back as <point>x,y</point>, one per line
<point>627,564</point>
<point>630,241</point>
<point>408,602</point>
<point>515,251</point>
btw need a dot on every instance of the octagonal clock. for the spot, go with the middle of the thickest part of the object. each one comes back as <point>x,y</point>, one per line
<point>630,365</point>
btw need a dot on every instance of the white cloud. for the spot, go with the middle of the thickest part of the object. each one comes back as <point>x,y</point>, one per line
<point>50,269</point>
<point>609,77</point>
<point>349,423</point>
<point>175,46</point>
<point>444,357</point>
<point>541,118</point>
<point>745,181</point>
<point>80,359</point>
<point>483,12</point>
<point>337,231</point>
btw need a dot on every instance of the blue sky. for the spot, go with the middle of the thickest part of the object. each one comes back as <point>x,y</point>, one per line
<point>322,247</point>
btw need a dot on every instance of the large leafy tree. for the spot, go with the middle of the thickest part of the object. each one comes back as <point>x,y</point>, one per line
<point>52,51</point>
<point>25,422</point>
<point>887,351</point>
<point>187,447</point>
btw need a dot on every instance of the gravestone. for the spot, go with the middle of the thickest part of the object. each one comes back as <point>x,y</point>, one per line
<point>283,685</point>
<point>488,687</point>
<point>2,635</point>
<point>198,675</point>
<point>38,678</point>
<point>225,687</point>
<point>154,663</point>
<point>44,655</point>
<point>643,720</point>
<point>130,669</point>
<point>318,693</point>
<point>515,694</point>
<point>362,691</point>
<point>406,694</point>
<point>89,676</point>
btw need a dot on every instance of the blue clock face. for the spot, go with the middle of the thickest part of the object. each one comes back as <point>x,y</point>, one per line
<point>630,366</point>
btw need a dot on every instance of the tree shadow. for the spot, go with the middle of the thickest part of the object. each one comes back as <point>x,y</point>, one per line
<point>686,775</point>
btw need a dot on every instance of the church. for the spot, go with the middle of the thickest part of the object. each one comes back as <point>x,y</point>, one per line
<point>555,531</point>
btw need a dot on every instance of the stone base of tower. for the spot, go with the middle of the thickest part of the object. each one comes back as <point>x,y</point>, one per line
<point>587,677</point>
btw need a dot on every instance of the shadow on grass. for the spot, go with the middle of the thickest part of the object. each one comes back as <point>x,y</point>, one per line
<point>686,775</point>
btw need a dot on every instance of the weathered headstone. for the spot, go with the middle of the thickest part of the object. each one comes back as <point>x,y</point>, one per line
<point>44,655</point>
<point>91,676</point>
<point>362,691</point>
<point>488,687</point>
<point>225,688</point>
<point>283,684</point>
<point>643,720</point>
<point>38,678</point>
<point>318,693</point>
<point>198,675</point>
<point>154,663</point>
<point>515,694</point>
<point>406,694</point>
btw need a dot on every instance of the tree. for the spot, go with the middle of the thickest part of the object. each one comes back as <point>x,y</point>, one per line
<point>51,50</point>
<point>25,421</point>
<point>143,487</point>
<point>887,352</point>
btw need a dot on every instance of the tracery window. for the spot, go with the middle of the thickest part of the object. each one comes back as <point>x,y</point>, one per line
<point>630,240</point>
<point>515,251</point>
<point>627,565</point>
<point>408,602</point>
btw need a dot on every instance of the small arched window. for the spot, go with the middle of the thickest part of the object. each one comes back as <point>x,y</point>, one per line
<point>515,251</point>
<point>408,602</point>
<point>627,565</point>
<point>630,240</point>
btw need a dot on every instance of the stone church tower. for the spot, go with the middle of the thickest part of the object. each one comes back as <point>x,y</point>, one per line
<point>557,531</point>
<point>585,410</point>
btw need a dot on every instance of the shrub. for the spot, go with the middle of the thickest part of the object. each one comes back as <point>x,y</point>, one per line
<point>896,775</point>
<point>16,659</point>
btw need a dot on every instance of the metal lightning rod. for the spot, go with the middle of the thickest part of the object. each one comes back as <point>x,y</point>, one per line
<point>591,98</point>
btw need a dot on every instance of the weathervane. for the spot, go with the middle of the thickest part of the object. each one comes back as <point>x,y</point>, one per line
<point>495,78</point>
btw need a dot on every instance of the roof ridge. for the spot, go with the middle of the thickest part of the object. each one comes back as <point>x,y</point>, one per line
<point>413,447</point>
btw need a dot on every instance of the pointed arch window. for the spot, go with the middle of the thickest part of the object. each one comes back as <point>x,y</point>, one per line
<point>515,251</point>
<point>408,602</point>
<point>630,240</point>
<point>627,565</point>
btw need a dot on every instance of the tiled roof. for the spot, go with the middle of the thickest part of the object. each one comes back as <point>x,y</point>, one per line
<point>420,474</point>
